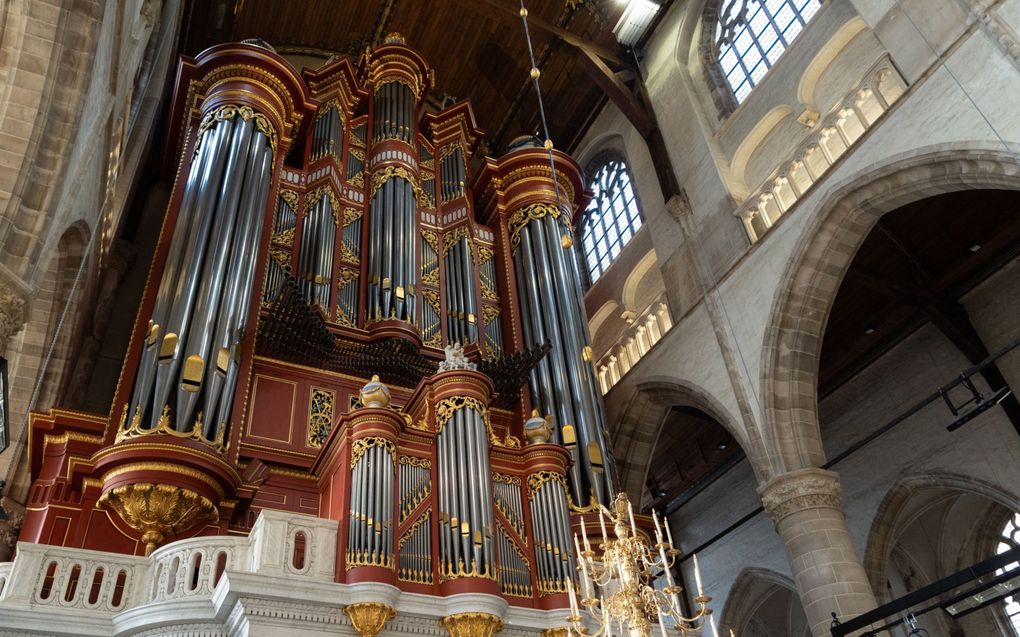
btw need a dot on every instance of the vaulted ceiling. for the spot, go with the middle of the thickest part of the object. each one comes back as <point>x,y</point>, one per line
<point>477,47</point>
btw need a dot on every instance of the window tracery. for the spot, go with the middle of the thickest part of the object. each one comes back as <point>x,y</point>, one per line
<point>1010,539</point>
<point>613,216</point>
<point>747,38</point>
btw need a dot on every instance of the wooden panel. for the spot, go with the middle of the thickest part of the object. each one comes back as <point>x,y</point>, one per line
<point>272,409</point>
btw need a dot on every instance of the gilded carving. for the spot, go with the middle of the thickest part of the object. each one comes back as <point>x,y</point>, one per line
<point>246,113</point>
<point>164,426</point>
<point>451,238</point>
<point>368,618</point>
<point>530,213</point>
<point>381,177</point>
<point>472,625</point>
<point>447,406</point>
<point>158,509</point>
<point>361,445</point>
<point>536,480</point>
<point>320,416</point>
<point>291,198</point>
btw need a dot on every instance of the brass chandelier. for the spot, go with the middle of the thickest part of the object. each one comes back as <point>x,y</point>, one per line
<point>617,593</point>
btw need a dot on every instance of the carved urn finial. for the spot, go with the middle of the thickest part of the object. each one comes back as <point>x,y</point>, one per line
<point>375,393</point>
<point>536,429</point>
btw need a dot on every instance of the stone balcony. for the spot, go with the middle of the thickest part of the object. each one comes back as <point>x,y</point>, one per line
<point>280,577</point>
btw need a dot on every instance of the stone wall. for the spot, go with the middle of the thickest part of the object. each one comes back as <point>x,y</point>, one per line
<point>750,316</point>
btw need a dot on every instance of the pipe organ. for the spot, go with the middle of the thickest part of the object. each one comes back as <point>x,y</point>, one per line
<point>349,314</point>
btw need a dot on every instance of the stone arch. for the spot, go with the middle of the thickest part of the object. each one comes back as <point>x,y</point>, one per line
<point>609,141</point>
<point>793,335</point>
<point>608,310</point>
<point>722,95</point>
<point>895,509</point>
<point>641,421</point>
<point>630,292</point>
<point>65,37</point>
<point>56,291</point>
<point>752,142</point>
<point>828,54</point>
<point>753,588</point>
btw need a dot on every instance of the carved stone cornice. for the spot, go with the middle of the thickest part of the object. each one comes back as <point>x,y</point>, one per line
<point>801,490</point>
<point>12,314</point>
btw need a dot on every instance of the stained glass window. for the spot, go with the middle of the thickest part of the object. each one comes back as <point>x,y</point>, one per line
<point>752,35</point>
<point>612,217</point>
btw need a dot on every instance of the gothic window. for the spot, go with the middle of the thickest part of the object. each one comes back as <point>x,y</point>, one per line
<point>751,35</point>
<point>612,217</point>
<point>1010,539</point>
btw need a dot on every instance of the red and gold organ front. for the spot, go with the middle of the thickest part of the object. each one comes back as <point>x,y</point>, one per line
<point>341,320</point>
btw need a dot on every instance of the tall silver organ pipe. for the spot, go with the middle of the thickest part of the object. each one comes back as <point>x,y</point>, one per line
<point>551,527</point>
<point>461,303</point>
<point>465,498</point>
<point>370,534</point>
<point>328,133</point>
<point>189,364</point>
<point>318,241</point>
<point>279,262</point>
<point>392,258</point>
<point>563,384</point>
<point>452,173</point>
<point>395,109</point>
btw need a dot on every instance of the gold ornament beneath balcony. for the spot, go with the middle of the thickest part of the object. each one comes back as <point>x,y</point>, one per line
<point>158,509</point>
<point>368,618</point>
<point>472,625</point>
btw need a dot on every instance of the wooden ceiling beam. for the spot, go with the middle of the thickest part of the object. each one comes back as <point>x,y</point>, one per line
<point>617,91</point>
<point>512,13</point>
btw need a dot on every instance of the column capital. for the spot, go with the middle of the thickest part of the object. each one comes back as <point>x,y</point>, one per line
<point>12,314</point>
<point>799,490</point>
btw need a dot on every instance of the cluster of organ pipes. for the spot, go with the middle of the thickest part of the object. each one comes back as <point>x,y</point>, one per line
<point>563,383</point>
<point>370,529</point>
<point>328,133</point>
<point>395,109</point>
<point>318,241</point>
<point>461,306</point>
<point>465,501</point>
<point>548,501</point>
<point>392,256</point>
<point>452,173</point>
<point>189,364</point>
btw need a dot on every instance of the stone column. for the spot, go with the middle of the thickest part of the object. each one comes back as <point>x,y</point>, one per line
<point>807,511</point>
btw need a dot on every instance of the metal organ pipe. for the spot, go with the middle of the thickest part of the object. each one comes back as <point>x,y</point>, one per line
<point>206,286</point>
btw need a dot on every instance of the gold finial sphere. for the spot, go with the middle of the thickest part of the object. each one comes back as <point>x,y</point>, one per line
<point>548,144</point>
<point>524,12</point>
<point>535,73</point>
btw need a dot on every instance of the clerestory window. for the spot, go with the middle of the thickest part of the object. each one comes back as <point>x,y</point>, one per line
<point>612,217</point>
<point>751,36</point>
